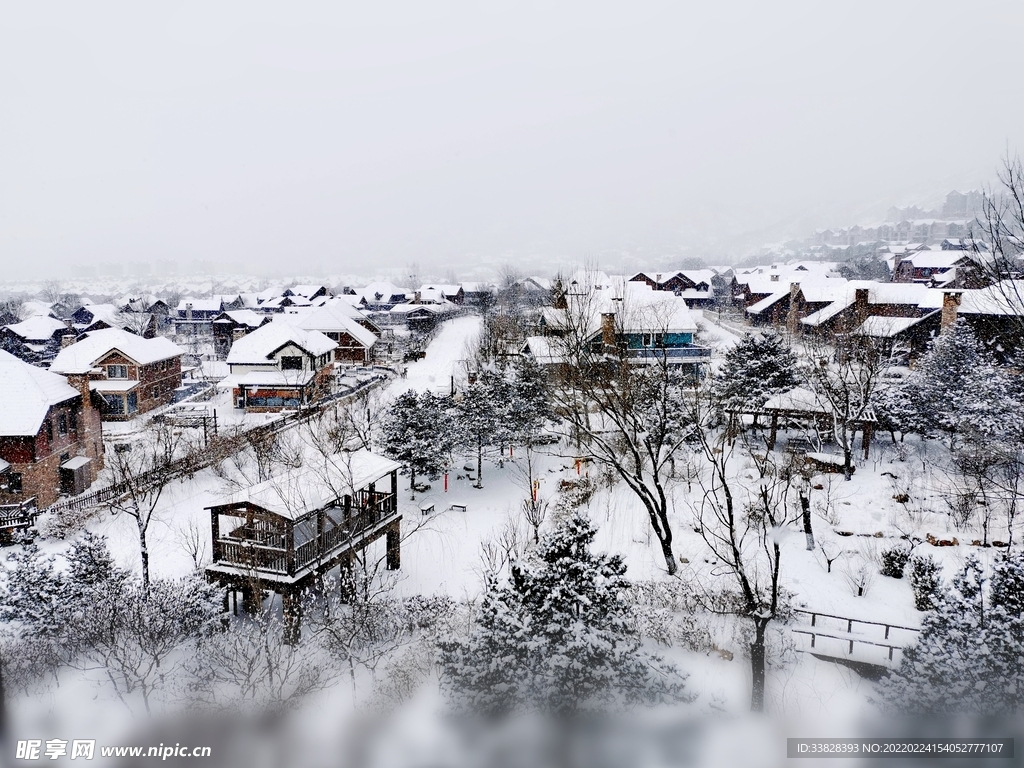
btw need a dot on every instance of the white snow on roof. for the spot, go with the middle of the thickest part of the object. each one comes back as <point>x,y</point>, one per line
<point>1004,298</point>
<point>200,305</point>
<point>798,399</point>
<point>83,355</point>
<point>26,394</point>
<point>258,346</point>
<point>37,328</point>
<point>244,317</point>
<point>767,302</point>
<point>542,350</point>
<point>297,492</point>
<point>381,293</point>
<point>887,327</point>
<point>334,317</point>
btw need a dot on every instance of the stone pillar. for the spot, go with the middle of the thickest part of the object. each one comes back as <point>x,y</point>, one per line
<point>394,546</point>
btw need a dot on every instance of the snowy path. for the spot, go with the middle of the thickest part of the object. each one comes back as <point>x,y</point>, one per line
<point>443,359</point>
<point>714,333</point>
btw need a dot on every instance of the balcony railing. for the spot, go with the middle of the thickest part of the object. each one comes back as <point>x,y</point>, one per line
<point>669,353</point>
<point>371,510</point>
<point>20,515</point>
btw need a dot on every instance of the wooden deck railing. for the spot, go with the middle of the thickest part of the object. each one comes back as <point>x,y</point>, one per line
<point>288,562</point>
<point>20,515</point>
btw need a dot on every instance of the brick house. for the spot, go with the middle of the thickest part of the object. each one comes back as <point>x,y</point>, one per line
<point>234,324</point>
<point>133,375</point>
<point>334,320</point>
<point>279,366</point>
<point>862,299</point>
<point>51,437</point>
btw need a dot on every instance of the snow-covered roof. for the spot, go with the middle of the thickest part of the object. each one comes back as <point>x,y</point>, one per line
<point>878,293</point>
<point>83,355</point>
<point>767,302</point>
<point>936,259</point>
<point>381,293</point>
<point>333,317</point>
<point>887,327</point>
<point>26,394</point>
<point>269,378</point>
<point>200,305</point>
<point>434,309</point>
<point>1004,298</point>
<point>37,328</point>
<point>798,399</point>
<point>244,317</point>
<point>258,346</point>
<point>308,290</point>
<point>542,350</point>
<point>297,492</point>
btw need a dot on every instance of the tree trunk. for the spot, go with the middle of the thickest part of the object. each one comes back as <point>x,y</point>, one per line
<point>805,508</point>
<point>480,464</point>
<point>847,463</point>
<point>412,482</point>
<point>670,558</point>
<point>757,665</point>
<point>143,555</point>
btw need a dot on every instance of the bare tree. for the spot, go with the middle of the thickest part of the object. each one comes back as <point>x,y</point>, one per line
<point>743,521</point>
<point>626,415</point>
<point>524,473</point>
<point>845,379</point>
<point>140,476</point>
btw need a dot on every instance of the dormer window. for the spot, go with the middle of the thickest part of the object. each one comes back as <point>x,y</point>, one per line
<point>117,371</point>
<point>291,363</point>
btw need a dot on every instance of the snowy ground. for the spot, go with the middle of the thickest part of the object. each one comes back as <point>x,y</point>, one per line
<point>442,551</point>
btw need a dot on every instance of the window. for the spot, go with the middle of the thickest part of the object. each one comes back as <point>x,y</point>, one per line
<point>117,371</point>
<point>73,416</point>
<point>14,482</point>
<point>646,340</point>
<point>49,429</point>
<point>291,363</point>
<point>62,424</point>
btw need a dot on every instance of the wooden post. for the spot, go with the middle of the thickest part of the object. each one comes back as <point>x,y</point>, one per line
<point>292,610</point>
<point>775,430</point>
<point>394,546</point>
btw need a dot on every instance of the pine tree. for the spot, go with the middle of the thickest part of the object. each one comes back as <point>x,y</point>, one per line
<point>531,405</point>
<point>417,430</point>
<point>967,658</point>
<point>759,366</point>
<point>957,386</point>
<point>556,638</point>
<point>32,594</point>
<point>484,417</point>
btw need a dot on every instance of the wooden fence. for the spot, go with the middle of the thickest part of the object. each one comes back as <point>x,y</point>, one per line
<point>849,637</point>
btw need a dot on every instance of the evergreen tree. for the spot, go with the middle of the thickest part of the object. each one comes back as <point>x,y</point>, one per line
<point>967,658</point>
<point>760,366</point>
<point>556,638</point>
<point>417,430</point>
<point>531,405</point>
<point>484,417</point>
<point>957,387</point>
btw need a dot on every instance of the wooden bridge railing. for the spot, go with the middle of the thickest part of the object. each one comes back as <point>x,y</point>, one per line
<point>848,636</point>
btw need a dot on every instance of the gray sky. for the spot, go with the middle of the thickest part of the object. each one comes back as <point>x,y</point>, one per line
<point>358,136</point>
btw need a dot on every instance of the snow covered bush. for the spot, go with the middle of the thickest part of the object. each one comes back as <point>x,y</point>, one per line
<point>967,659</point>
<point>556,638</point>
<point>859,575</point>
<point>894,560</point>
<point>924,580</point>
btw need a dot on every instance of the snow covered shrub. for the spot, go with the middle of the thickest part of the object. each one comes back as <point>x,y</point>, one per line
<point>894,560</point>
<point>556,638</point>
<point>924,580</point>
<point>668,613</point>
<point>859,576</point>
<point>967,658</point>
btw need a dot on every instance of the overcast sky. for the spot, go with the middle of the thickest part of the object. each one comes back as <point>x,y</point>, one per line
<point>359,136</point>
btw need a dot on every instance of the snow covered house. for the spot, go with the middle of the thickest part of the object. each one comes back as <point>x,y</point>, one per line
<point>420,317</point>
<point>231,325</point>
<point>36,339</point>
<point>334,320</point>
<point>941,266</point>
<point>995,313</point>
<point>51,439</point>
<point>693,285</point>
<point>279,366</point>
<point>638,323</point>
<point>861,299</point>
<point>309,292</point>
<point>132,374</point>
<point>286,532</point>
<point>195,316</point>
<point>436,293</point>
<point>381,296</point>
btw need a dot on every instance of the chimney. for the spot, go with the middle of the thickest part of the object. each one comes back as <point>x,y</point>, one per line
<point>950,307</point>
<point>793,316</point>
<point>67,340</point>
<point>608,329</point>
<point>188,311</point>
<point>860,304</point>
<point>897,259</point>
